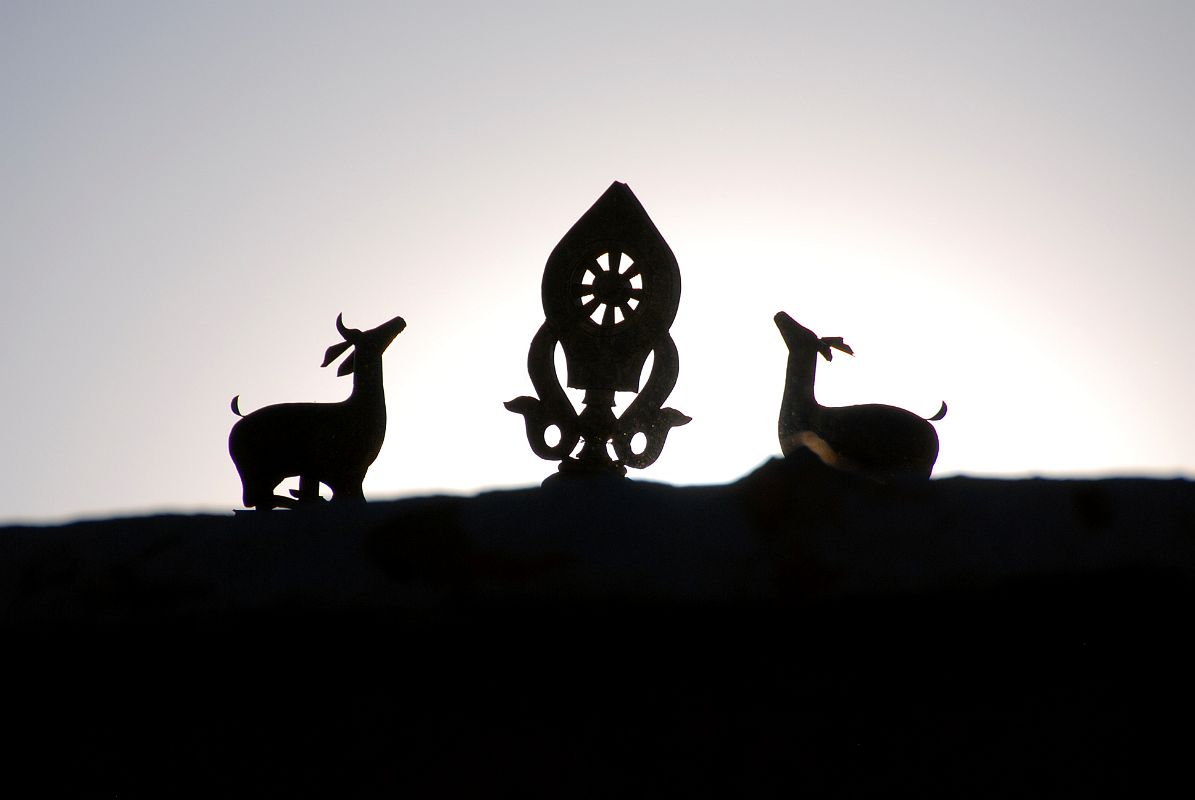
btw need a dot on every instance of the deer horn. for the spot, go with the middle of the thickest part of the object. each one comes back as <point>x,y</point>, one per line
<point>350,338</point>
<point>347,333</point>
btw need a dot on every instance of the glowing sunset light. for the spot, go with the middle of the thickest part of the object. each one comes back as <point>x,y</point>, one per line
<point>990,202</point>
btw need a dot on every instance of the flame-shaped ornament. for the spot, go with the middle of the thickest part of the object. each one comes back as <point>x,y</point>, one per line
<point>610,292</point>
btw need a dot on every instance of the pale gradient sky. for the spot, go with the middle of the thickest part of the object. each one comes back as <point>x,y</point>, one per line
<point>991,202</point>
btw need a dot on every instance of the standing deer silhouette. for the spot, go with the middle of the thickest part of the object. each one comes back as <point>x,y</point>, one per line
<point>878,441</point>
<point>329,443</point>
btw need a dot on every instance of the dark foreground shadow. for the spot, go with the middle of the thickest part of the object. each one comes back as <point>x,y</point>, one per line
<point>1048,688</point>
<point>801,631</point>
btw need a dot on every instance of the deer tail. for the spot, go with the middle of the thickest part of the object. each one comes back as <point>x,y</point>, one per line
<point>941,413</point>
<point>236,407</point>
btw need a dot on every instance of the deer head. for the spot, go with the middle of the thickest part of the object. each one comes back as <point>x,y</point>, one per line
<point>369,344</point>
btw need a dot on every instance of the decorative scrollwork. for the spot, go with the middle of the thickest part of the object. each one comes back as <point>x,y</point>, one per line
<point>552,408</point>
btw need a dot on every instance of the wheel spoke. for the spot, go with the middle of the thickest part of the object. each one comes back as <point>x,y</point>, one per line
<point>632,271</point>
<point>626,308</point>
<point>608,316</point>
<point>582,289</point>
<point>615,259</point>
<point>588,308</point>
<point>635,293</point>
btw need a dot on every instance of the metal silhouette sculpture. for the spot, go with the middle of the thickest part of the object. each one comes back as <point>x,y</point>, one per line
<point>610,291</point>
<point>329,443</point>
<point>878,441</point>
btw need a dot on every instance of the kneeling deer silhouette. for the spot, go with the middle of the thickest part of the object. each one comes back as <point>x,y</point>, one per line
<point>879,441</point>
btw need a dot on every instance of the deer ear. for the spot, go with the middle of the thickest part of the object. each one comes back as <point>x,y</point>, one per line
<point>334,352</point>
<point>347,365</point>
<point>826,342</point>
<point>837,343</point>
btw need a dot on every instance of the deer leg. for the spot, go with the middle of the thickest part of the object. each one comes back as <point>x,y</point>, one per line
<point>260,496</point>
<point>308,491</point>
<point>349,489</point>
<point>263,497</point>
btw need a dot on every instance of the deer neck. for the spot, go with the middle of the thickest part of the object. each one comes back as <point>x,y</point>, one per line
<point>367,386</point>
<point>799,408</point>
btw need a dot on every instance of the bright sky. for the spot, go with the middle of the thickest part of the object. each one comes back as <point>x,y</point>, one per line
<point>991,202</point>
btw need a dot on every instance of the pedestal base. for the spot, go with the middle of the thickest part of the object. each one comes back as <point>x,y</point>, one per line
<point>578,469</point>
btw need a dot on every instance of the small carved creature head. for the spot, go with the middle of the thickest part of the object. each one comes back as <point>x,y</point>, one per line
<point>797,337</point>
<point>369,344</point>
